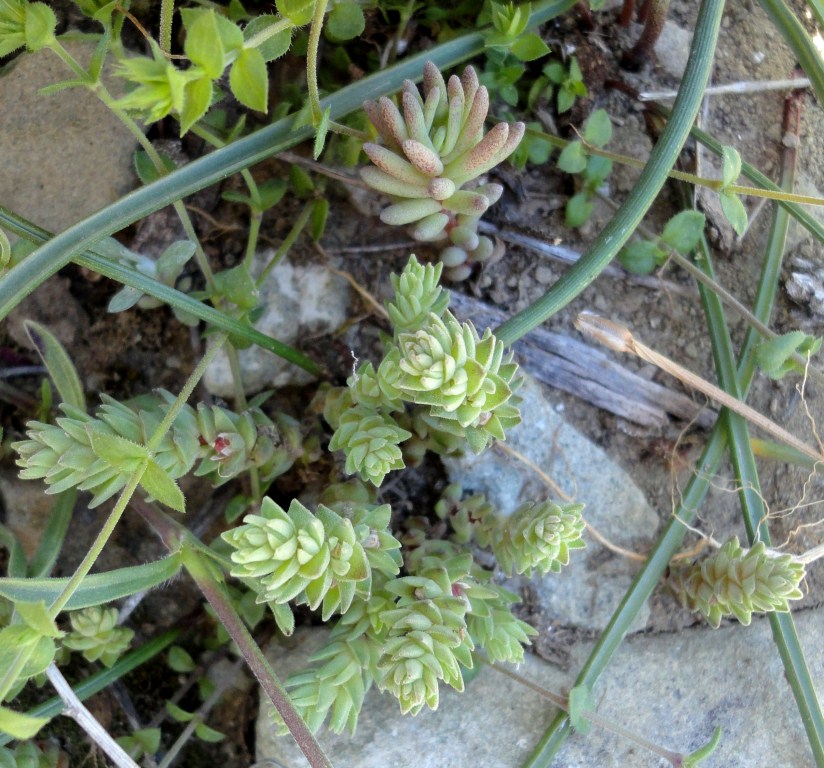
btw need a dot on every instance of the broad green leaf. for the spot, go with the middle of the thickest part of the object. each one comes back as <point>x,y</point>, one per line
<point>774,357</point>
<point>238,286</point>
<point>146,170</point>
<point>173,259</point>
<point>735,212</point>
<point>299,12</point>
<point>578,210</point>
<point>275,46</point>
<point>345,22</point>
<point>730,165</point>
<point>203,43</point>
<point>271,192</point>
<point>529,47</point>
<point>40,26</point>
<point>37,616</point>
<point>580,702</point>
<point>683,231</point>
<point>320,133</point>
<point>565,100</point>
<point>640,257</point>
<point>17,639</point>
<point>573,159</point>
<point>230,33</point>
<point>116,450</point>
<point>58,364</point>
<point>210,735</point>
<point>249,80</point>
<point>158,483</point>
<point>598,128</point>
<point>196,101</point>
<point>180,660</point>
<point>20,726</point>
<point>555,72</point>
<point>95,589</point>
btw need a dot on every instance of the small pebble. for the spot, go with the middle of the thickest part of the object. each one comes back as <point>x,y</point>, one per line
<point>544,275</point>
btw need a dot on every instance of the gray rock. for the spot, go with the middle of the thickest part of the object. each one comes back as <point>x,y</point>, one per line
<point>673,49</point>
<point>671,689</point>
<point>301,302</point>
<point>587,591</point>
<point>26,507</point>
<point>64,155</point>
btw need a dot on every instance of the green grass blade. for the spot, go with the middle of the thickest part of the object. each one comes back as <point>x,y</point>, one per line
<point>23,278</point>
<point>105,677</point>
<point>58,364</point>
<point>126,275</point>
<point>652,178</point>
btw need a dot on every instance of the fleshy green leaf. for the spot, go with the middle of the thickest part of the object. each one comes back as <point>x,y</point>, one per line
<point>598,128</point>
<point>345,22</point>
<point>159,484</point>
<point>529,47</point>
<point>178,714</point>
<point>683,231</point>
<point>58,364</point>
<point>774,357</point>
<point>249,80</point>
<point>735,212</point>
<point>18,725</point>
<point>299,12</point>
<point>580,702</point>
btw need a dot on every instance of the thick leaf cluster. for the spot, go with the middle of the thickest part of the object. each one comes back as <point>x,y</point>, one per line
<point>94,453</point>
<point>738,582</point>
<point>459,384</point>
<point>538,536</point>
<point>95,633</point>
<point>322,559</point>
<point>434,145</point>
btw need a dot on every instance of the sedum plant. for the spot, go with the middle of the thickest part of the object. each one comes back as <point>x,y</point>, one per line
<point>433,147</point>
<point>739,582</point>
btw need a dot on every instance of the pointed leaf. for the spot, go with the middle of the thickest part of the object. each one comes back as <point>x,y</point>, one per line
<point>730,165</point>
<point>20,726</point>
<point>276,45</point>
<point>39,25</point>
<point>598,128</point>
<point>320,133</point>
<point>124,299</point>
<point>203,44</point>
<point>529,47</point>
<point>180,660</point>
<point>573,159</point>
<point>116,450</point>
<point>299,12</point>
<point>734,211</point>
<point>37,616</point>
<point>58,364</point>
<point>249,80</point>
<point>159,484</point>
<point>146,170</point>
<point>210,735</point>
<point>198,99</point>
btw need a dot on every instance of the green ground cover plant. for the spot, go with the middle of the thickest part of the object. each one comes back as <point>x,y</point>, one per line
<point>408,611</point>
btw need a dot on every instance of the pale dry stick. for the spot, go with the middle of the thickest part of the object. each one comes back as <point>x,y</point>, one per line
<point>323,170</point>
<point>620,339</point>
<point>75,709</point>
<point>743,86</point>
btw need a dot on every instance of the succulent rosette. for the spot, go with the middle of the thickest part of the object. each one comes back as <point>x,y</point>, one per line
<point>433,145</point>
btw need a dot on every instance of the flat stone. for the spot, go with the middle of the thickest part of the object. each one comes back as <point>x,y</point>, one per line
<point>672,689</point>
<point>588,590</point>
<point>673,49</point>
<point>63,155</point>
<point>300,302</point>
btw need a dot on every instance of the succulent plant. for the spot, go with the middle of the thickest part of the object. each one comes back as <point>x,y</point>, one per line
<point>538,536</point>
<point>433,146</point>
<point>417,295</point>
<point>318,559</point>
<point>65,454</point>
<point>31,754</point>
<point>95,633</point>
<point>739,582</point>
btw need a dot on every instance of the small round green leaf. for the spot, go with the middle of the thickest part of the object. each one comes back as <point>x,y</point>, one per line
<point>345,22</point>
<point>735,212</point>
<point>180,660</point>
<point>598,128</point>
<point>573,159</point>
<point>730,165</point>
<point>578,210</point>
<point>683,231</point>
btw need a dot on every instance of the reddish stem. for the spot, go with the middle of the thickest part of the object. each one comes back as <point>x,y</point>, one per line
<point>640,53</point>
